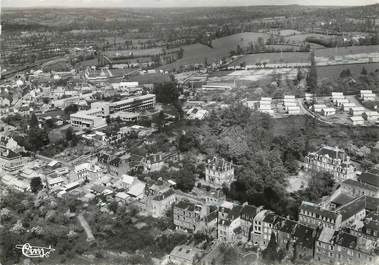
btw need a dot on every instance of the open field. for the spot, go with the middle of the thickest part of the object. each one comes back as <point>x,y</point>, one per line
<point>346,50</point>
<point>332,72</point>
<point>135,52</point>
<point>196,53</point>
<point>302,36</point>
<point>284,57</point>
<point>254,75</point>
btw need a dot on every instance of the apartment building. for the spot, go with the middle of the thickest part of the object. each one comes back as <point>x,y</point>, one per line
<point>314,215</point>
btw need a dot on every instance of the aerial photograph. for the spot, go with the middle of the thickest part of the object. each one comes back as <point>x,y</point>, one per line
<point>189,132</point>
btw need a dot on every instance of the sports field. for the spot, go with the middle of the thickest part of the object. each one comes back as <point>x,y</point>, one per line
<point>196,53</point>
<point>332,72</point>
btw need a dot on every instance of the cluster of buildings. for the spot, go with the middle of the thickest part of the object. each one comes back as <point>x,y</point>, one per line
<point>95,118</point>
<point>265,105</point>
<point>342,229</point>
<point>358,114</point>
<point>291,105</point>
<point>367,95</point>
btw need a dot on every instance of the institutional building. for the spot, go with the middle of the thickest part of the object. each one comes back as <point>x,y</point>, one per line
<point>332,160</point>
<point>88,119</point>
<point>132,104</point>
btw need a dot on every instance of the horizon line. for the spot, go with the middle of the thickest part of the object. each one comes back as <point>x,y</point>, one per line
<point>195,6</point>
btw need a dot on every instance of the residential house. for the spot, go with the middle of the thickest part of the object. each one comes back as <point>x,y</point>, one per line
<point>357,120</point>
<point>324,247</point>
<point>119,165</point>
<point>187,215</point>
<point>229,223</point>
<point>328,112</point>
<point>304,239</point>
<point>347,106</point>
<point>284,230</point>
<point>356,111</point>
<point>219,172</point>
<point>159,204</point>
<point>257,228</point>
<point>318,107</point>
<point>248,214</point>
<point>371,116</point>
<point>349,249</point>
<point>137,190</point>
<point>185,255</point>
<point>267,229</point>
<point>87,171</point>
<point>367,95</point>
<point>10,161</point>
<point>155,162</point>
<point>127,181</point>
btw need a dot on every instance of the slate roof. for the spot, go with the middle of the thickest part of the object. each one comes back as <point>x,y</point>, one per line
<point>342,199</point>
<point>248,211</point>
<point>164,195</point>
<point>352,208</point>
<point>354,183</point>
<point>372,203</point>
<point>346,240</point>
<point>185,205</point>
<point>314,208</point>
<point>371,178</point>
<point>305,235</point>
<point>331,152</point>
<point>285,225</point>
<point>270,218</point>
<point>115,162</point>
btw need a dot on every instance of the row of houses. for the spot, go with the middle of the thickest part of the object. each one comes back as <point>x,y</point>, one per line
<point>291,105</point>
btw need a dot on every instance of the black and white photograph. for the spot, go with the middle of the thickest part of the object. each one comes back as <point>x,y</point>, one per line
<point>189,132</point>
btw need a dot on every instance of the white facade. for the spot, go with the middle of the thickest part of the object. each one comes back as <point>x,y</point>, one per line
<point>356,111</point>
<point>318,107</point>
<point>357,120</point>
<point>371,116</point>
<point>293,110</point>
<point>367,95</point>
<point>328,112</point>
<point>89,119</point>
<point>131,104</point>
<point>346,106</point>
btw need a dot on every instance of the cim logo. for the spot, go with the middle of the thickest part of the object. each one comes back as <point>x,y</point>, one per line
<point>34,251</point>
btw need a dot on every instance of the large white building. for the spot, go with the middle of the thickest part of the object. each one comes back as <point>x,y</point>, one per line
<point>132,104</point>
<point>95,117</point>
<point>88,119</point>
